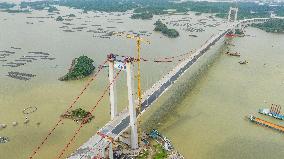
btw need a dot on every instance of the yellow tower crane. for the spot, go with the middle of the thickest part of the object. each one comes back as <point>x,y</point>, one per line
<point>138,40</point>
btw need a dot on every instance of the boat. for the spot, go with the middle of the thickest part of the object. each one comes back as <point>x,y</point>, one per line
<point>233,53</point>
<point>274,112</point>
<point>243,62</point>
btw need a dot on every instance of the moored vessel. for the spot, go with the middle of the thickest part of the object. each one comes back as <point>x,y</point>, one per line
<point>265,123</point>
<point>274,112</point>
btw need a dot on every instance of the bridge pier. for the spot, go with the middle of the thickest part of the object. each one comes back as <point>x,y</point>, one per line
<point>110,154</point>
<point>131,107</point>
<point>112,88</point>
<point>233,17</point>
<point>103,153</point>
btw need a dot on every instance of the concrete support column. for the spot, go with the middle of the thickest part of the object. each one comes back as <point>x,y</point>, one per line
<point>235,18</point>
<point>132,109</point>
<point>103,153</point>
<point>229,15</point>
<point>110,151</point>
<point>236,14</point>
<point>112,88</point>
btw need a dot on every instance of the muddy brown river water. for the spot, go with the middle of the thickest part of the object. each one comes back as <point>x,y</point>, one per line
<point>209,122</point>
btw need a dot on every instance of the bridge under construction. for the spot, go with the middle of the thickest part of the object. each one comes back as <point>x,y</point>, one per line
<point>100,145</point>
<point>100,142</point>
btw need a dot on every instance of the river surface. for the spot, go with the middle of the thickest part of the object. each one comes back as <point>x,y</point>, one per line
<point>209,122</point>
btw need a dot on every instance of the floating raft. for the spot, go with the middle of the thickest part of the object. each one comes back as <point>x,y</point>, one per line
<point>266,123</point>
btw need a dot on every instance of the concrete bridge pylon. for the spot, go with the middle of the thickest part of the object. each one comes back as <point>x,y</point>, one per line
<point>233,17</point>
<point>131,107</point>
<point>128,61</point>
<point>233,14</point>
<point>112,88</point>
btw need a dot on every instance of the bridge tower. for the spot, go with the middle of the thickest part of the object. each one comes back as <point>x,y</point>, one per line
<point>232,17</point>
<point>233,14</point>
<point>112,88</point>
<point>131,108</point>
<point>115,63</point>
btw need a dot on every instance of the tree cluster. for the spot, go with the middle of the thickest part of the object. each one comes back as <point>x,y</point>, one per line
<point>142,16</point>
<point>274,26</point>
<point>80,68</point>
<point>156,7</point>
<point>161,27</point>
<point>59,18</point>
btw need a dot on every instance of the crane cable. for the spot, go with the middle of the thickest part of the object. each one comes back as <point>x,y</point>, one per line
<point>71,105</point>
<point>92,110</point>
<point>161,59</point>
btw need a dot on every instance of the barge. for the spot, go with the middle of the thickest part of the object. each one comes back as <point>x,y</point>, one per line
<point>265,123</point>
<point>274,112</point>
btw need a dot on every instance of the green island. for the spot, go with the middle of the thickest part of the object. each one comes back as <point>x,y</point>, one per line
<point>80,68</point>
<point>59,18</point>
<point>142,16</point>
<point>78,115</point>
<point>273,26</point>
<point>161,27</point>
